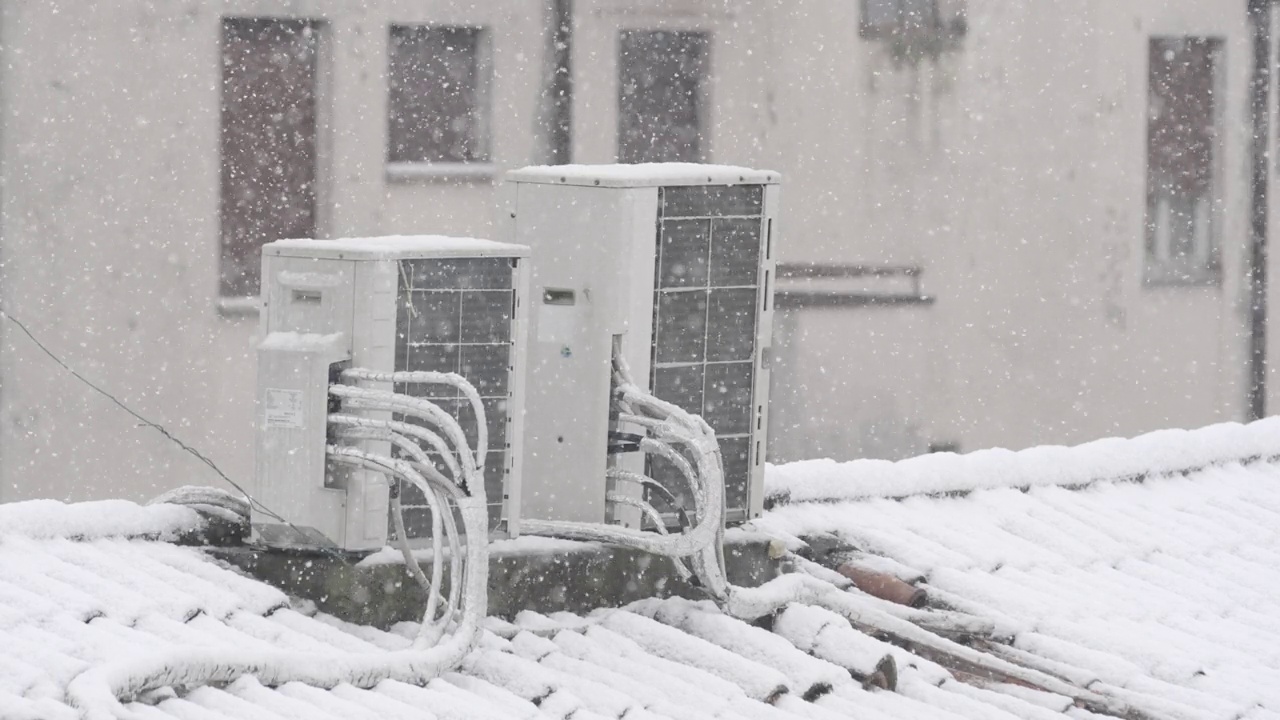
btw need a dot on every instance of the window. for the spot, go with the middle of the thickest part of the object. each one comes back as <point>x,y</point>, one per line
<point>268,142</point>
<point>927,24</point>
<point>1183,127</point>
<point>438,100</point>
<point>661,83</point>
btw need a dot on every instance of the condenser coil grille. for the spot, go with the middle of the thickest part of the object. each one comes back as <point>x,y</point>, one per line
<point>456,315</point>
<point>706,308</point>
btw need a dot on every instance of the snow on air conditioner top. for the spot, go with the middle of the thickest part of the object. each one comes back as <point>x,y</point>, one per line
<point>394,247</point>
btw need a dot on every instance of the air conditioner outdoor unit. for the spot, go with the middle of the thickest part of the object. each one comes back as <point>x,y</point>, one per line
<point>382,304</point>
<point>674,264</point>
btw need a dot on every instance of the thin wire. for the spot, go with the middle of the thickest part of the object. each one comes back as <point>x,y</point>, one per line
<point>148,423</point>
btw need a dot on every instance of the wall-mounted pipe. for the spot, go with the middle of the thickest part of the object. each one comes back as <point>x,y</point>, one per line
<point>1260,110</point>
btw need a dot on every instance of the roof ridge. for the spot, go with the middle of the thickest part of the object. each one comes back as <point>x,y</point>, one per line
<point>1111,460</point>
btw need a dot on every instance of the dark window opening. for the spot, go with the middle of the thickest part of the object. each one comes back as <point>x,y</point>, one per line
<point>268,142</point>
<point>437,104</point>
<point>1183,130</point>
<point>661,83</point>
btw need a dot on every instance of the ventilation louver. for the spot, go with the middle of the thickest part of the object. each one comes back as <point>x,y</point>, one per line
<point>458,315</point>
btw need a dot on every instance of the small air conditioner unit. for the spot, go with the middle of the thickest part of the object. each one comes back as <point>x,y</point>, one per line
<point>384,304</point>
<point>674,264</point>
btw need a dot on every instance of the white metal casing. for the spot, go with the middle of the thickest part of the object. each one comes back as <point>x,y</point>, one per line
<point>592,230</point>
<point>328,305</point>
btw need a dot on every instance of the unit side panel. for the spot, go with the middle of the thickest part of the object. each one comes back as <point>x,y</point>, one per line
<point>308,307</point>
<point>635,305</point>
<point>374,342</point>
<point>308,295</point>
<point>373,348</point>
<point>764,351</point>
<point>513,480</point>
<point>580,250</point>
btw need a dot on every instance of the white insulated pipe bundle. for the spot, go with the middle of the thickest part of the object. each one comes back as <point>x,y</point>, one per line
<point>688,443</point>
<point>447,635</point>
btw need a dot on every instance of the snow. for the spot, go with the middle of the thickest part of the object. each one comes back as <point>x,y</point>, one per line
<point>643,174</point>
<point>1158,592</point>
<point>1158,453</point>
<point>301,342</point>
<point>395,247</point>
<point>808,675</point>
<point>93,520</point>
<point>829,636</point>
<point>758,681</point>
<point>523,546</point>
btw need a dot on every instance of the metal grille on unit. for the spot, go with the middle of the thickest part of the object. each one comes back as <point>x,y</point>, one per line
<point>456,315</point>
<point>707,298</point>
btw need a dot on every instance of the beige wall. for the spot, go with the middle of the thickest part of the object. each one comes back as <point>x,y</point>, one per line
<point>1012,170</point>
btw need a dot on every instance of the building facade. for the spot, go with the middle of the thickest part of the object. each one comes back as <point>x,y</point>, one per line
<point>1004,223</point>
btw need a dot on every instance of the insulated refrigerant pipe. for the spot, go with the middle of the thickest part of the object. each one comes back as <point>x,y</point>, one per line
<point>643,481</point>
<point>364,398</point>
<point>436,378</point>
<point>441,520</point>
<point>394,402</point>
<point>97,692</point>
<point>681,427</point>
<point>436,442</point>
<point>708,563</point>
<point>652,514</point>
<point>703,533</point>
<point>428,633</point>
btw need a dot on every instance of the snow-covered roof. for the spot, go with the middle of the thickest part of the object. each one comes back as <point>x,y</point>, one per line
<point>644,175</point>
<point>1151,595</point>
<point>110,600</point>
<point>394,247</point>
<point>1159,453</point>
<point>1147,570</point>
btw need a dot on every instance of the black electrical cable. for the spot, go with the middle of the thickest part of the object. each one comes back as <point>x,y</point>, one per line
<point>153,425</point>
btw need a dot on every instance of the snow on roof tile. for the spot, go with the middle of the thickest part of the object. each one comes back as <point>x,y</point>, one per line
<point>1137,599</point>
<point>1159,589</point>
<point>89,520</point>
<point>1159,453</point>
<point>114,592</point>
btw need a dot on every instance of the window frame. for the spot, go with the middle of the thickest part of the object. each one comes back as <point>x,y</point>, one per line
<point>1187,271</point>
<point>411,171</point>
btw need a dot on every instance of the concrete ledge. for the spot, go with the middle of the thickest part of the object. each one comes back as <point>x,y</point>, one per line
<point>575,580</point>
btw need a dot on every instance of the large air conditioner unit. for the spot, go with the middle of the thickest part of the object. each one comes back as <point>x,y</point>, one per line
<point>382,304</point>
<point>673,263</point>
